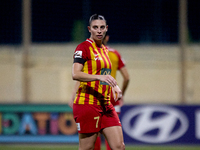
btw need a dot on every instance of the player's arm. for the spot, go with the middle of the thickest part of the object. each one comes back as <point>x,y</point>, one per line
<point>124,72</point>
<point>125,83</point>
<point>75,89</point>
<point>79,75</point>
<point>126,79</point>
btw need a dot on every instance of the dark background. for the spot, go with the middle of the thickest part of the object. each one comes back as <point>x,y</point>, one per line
<point>129,21</point>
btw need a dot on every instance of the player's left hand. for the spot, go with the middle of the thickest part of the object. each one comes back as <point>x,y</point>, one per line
<point>117,92</point>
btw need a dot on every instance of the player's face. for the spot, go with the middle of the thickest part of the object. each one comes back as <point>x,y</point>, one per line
<point>98,29</point>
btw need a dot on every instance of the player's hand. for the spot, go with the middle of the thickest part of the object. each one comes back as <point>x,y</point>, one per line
<point>108,79</point>
<point>117,93</point>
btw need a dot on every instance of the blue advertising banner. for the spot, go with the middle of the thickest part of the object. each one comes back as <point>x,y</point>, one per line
<point>161,124</point>
<point>142,124</point>
<point>37,123</point>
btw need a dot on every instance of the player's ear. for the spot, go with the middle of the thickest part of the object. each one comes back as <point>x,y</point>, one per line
<point>107,37</point>
<point>89,29</point>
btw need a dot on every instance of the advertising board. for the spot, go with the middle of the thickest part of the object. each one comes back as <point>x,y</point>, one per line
<point>37,123</point>
<point>161,124</point>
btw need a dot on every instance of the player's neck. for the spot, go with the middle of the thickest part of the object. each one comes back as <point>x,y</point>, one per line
<point>97,42</point>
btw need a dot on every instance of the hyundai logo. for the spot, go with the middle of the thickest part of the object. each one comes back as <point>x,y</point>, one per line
<point>154,124</point>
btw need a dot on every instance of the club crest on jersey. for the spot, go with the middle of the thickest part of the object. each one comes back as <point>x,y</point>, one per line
<point>78,54</point>
<point>105,71</point>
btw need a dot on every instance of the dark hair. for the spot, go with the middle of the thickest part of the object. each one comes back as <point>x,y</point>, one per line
<point>96,17</point>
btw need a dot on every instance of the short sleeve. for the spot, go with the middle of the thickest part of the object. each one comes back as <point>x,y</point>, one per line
<point>121,62</point>
<point>80,54</point>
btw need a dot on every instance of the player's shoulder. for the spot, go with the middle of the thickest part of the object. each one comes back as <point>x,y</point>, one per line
<point>85,44</point>
<point>87,41</point>
<point>112,50</point>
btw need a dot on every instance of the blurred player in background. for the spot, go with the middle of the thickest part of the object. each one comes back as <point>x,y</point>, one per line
<point>92,109</point>
<point>117,64</point>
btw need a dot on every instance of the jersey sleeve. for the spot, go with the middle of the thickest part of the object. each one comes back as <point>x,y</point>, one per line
<point>80,54</point>
<point>121,62</point>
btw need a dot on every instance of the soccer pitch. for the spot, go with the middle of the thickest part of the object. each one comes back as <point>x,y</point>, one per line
<point>75,147</point>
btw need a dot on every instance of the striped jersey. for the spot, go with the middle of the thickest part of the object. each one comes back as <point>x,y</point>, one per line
<point>117,64</point>
<point>95,61</point>
<point>116,60</point>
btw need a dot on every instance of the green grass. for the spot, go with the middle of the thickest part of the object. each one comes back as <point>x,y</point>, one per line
<point>75,147</point>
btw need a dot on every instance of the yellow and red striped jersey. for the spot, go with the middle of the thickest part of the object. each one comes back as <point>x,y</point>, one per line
<point>95,61</point>
<point>116,60</point>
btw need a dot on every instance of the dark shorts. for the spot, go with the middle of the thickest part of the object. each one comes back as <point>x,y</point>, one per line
<point>90,118</point>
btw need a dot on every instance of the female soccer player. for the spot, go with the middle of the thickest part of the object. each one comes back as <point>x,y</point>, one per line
<point>92,109</point>
<point>117,64</point>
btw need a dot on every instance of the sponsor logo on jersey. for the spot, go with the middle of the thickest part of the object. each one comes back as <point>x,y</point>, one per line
<point>105,71</point>
<point>155,124</point>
